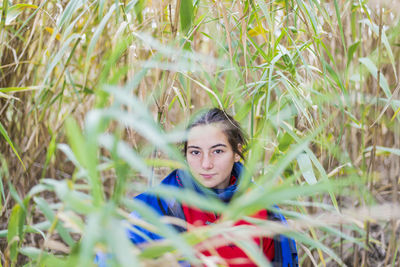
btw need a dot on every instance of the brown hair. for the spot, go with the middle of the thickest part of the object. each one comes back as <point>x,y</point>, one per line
<point>231,128</point>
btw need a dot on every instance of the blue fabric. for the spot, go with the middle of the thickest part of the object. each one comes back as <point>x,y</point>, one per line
<point>101,259</point>
<point>288,245</point>
<point>225,194</point>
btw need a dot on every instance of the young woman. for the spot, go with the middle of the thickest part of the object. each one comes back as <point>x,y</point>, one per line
<point>213,150</point>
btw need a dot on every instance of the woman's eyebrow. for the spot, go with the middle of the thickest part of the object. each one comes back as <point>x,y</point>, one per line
<point>214,146</point>
<point>217,145</point>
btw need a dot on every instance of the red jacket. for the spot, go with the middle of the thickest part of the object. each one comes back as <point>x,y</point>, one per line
<point>228,254</point>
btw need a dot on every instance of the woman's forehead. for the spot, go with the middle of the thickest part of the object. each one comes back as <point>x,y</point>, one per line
<point>206,135</point>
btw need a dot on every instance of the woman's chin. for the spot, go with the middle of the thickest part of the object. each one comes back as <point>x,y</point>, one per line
<point>205,183</point>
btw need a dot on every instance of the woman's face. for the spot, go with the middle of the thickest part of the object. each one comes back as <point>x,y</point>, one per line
<point>210,156</point>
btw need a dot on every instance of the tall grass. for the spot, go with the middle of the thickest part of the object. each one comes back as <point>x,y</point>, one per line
<point>95,95</point>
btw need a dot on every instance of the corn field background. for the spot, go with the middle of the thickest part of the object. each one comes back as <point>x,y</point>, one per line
<point>95,95</point>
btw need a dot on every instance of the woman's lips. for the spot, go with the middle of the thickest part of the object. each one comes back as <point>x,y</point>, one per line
<point>207,176</point>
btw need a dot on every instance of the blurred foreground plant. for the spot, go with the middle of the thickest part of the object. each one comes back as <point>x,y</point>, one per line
<point>313,82</point>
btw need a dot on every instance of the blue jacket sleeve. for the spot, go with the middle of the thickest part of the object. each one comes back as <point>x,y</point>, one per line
<point>285,248</point>
<point>138,235</point>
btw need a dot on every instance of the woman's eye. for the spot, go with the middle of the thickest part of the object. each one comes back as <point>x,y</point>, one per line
<point>194,152</point>
<point>218,151</point>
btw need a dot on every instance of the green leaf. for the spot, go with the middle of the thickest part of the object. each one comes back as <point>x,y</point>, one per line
<point>101,8</point>
<point>167,231</point>
<point>50,153</point>
<point>290,155</point>
<point>3,171</point>
<point>15,230</point>
<point>390,150</point>
<point>317,164</point>
<point>121,246</point>
<point>5,135</point>
<point>76,141</point>
<point>57,58</point>
<point>284,142</point>
<point>265,10</point>
<point>48,212</point>
<point>384,40</point>
<point>96,36</point>
<point>36,228</point>
<point>126,153</point>
<point>140,119</point>
<point>335,76</point>
<point>75,200</point>
<point>306,168</point>
<point>32,252</point>
<point>93,233</point>
<point>310,15</point>
<point>69,11</point>
<point>317,244</point>
<point>189,197</point>
<point>19,89</point>
<point>253,251</point>
<point>15,195</point>
<point>156,250</point>
<point>15,10</point>
<point>352,49</point>
<point>382,81</point>
<point>186,15</point>
<point>339,20</point>
<point>70,155</point>
<point>138,8</point>
<point>44,258</point>
<point>270,194</point>
<point>94,123</point>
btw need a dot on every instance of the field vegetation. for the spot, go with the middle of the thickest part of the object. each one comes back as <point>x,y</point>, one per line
<point>95,95</point>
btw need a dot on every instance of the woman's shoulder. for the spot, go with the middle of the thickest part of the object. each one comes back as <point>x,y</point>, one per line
<point>170,180</point>
<point>158,203</point>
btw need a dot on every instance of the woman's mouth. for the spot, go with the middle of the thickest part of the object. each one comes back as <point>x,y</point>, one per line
<point>207,176</point>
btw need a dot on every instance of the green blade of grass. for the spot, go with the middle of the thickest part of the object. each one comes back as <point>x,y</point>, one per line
<point>389,150</point>
<point>85,151</point>
<point>126,153</point>
<point>352,49</point>
<point>5,135</point>
<point>19,89</point>
<point>15,230</point>
<point>167,231</point>
<point>306,168</point>
<point>68,12</point>
<point>385,42</point>
<point>186,15</point>
<point>339,19</point>
<point>96,35</point>
<point>51,216</point>
<point>57,58</point>
<point>15,10</point>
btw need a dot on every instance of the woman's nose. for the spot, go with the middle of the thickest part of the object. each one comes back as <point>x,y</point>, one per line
<point>207,162</point>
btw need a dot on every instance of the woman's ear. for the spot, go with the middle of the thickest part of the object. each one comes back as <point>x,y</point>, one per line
<point>237,156</point>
